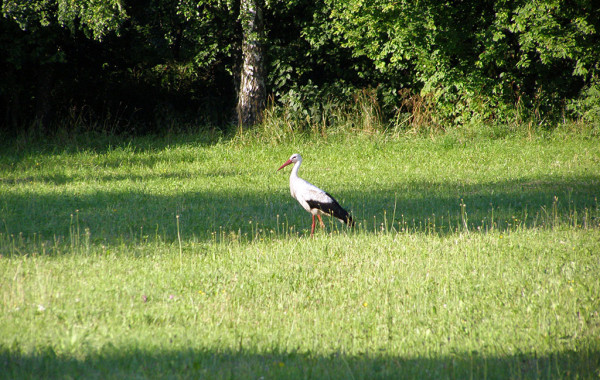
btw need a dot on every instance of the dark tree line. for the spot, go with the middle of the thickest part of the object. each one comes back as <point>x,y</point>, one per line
<point>140,66</point>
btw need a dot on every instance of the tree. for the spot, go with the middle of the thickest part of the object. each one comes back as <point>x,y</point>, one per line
<point>143,65</point>
<point>251,95</point>
<point>95,18</point>
<point>36,55</point>
<point>123,65</point>
<point>470,57</point>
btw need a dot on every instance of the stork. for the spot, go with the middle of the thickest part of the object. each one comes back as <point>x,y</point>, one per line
<point>313,199</point>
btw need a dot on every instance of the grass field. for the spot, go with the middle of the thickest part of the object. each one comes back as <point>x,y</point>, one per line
<point>181,258</point>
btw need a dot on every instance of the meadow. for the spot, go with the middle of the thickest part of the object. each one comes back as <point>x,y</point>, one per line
<point>186,257</point>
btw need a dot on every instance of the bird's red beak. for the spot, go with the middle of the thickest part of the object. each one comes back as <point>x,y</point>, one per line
<point>285,164</point>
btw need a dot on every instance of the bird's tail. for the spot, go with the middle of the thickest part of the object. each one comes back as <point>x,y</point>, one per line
<point>334,209</point>
<point>342,215</point>
<point>348,220</point>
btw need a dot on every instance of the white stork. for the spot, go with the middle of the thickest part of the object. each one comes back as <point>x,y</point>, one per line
<point>313,199</point>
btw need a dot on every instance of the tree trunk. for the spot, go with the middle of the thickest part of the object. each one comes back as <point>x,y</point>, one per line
<point>251,97</point>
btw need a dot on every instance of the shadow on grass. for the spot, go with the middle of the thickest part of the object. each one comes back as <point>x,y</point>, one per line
<point>26,147</point>
<point>117,216</point>
<point>207,364</point>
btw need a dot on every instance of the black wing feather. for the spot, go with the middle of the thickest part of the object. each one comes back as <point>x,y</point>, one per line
<point>332,208</point>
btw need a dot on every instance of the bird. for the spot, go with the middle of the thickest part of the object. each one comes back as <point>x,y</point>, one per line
<point>314,200</point>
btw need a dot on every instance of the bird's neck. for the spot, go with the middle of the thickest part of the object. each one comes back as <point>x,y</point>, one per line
<point>295,170</point>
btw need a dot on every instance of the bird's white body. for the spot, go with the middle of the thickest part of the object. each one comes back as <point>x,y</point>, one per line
<point>305,191</point>
<point>313,199</point>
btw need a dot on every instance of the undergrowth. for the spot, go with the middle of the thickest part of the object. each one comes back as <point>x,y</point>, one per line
<point>416,115</point>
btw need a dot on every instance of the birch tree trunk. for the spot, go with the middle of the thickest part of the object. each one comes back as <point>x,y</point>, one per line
<point>251,97</point>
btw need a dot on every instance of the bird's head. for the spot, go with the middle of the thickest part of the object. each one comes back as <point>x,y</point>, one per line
<point>293,159</point>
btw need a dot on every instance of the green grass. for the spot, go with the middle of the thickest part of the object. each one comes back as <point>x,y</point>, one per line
<point>183,258</point>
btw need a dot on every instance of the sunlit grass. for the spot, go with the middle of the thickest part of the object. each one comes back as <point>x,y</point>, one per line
<point>189,259</point>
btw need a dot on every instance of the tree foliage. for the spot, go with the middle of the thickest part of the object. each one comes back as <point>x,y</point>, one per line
<point>462,52</point>
<point>146,65</point>
<point>95,18</point>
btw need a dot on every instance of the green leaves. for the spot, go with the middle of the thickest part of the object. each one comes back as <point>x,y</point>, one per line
<point>94,17</point>
<point>480,47</point>
<point>482,60</point>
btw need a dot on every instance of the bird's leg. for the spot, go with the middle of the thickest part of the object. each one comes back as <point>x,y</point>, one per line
<point>321,221</point>
<point>312,230</point>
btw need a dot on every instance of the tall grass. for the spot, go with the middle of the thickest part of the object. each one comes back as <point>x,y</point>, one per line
<point>365,112</point>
